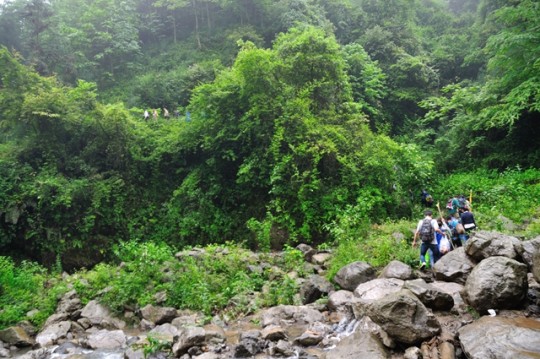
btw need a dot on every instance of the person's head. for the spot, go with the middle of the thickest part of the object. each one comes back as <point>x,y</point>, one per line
<point>428,212</point>
<point>465,209</point>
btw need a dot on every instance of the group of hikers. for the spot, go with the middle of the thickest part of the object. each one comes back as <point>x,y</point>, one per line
<point>440,235</point>
<point>155,115</point>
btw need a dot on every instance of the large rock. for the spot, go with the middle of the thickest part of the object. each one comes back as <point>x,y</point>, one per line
<point>187,338</point>
<point>497,337</point>
<point>430,295</point>
<point>455,290</point>
<point>341,299</point>
<point>397,269</point>
<point>250,343</point>
<point>52,333</point>
<point>70,304</point>
<point>454,266</point>
<point>107,339</point>
<point>315,287</point>
<point>350,276</point>
<point>404,318</point>
<point>378,288</point>
<point>486,244</point>
<point>287,314</point>
<point>530,248</point>
<point>99,315</point>
<point>497,283</point>
<point>16,336</point>
<point>359,345</point>
<point>536,266</point>
<point>158,315</point>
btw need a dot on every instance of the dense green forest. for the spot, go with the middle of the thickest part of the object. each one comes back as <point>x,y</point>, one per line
<point>289,120</point>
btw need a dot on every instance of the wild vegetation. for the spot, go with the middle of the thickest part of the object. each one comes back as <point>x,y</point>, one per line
<point>291,121</point>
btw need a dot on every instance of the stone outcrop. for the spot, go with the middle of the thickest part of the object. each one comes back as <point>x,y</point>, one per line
<point>359,345</point>
<point>398,270</point>
<point>158,315</point>
<point>393,316</point>
<point>497,283</point>
<point>350,276</point>
<point>454,266</point>
<point>530,249</point>
<point>496,337</point>
<point>431,296</point>
<point>404,317</point>
<point>314,288</point>
<point>378,288</point>
<point>486,244</point>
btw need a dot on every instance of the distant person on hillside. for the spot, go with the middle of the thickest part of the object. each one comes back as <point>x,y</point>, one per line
<point>146,115</point>
<point>155,115</point>
<point>425,230</point>
<point>165,113</point>
<point>176,113</point>
<point>427,199</point>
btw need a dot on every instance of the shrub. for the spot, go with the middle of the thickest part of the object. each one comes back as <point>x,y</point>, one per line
<point>26,287</point>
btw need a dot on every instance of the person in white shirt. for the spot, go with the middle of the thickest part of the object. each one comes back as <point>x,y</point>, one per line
<point>425,230</point>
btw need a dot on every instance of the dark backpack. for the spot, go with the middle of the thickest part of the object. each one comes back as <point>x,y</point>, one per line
<point>426,231</point>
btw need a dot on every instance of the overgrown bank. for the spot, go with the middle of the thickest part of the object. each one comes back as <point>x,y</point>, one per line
<point>218,278</point>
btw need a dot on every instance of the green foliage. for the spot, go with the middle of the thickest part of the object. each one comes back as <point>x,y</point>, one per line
<point>216,278</point>
<point>376,245</point>
<point>24,288</point>
<point>512,194</point>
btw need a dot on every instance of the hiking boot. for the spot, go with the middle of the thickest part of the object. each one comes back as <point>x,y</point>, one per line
<point>422,266</point>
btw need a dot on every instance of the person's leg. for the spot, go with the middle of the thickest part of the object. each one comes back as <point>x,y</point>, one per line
<point>436,254</point>
<point>423,249</point>
<point>431,260</point>
<point>463,238</point>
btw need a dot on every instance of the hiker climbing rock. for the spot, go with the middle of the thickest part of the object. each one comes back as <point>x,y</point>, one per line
<point>425,230</point>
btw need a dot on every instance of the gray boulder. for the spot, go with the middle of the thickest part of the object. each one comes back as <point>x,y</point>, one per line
<point>52,333</point>
<point>158,315</point>
<point>187,338</point>
<point>350,276</point>
<point>250,343</point>
<point>486,244</point>
<point>497,337</point>
<point>455,290</point>
<point>285,315</point>
<point>359,345</point>
<point>16,336</point>
<point>536,266</point>
<point>273,333</point>
<point>378,288</point>
<point>99,315</point>
<point>397,269</point>
<point>307,251</point>
<point>530,248</point>
<point>430,295</point>
<point>498,283</point>
<point>454,266</point>
<point>404,318</point>
<point>314,288</point>
<point>107,339</point>
<point>70,304</point>
<point>341,299</point>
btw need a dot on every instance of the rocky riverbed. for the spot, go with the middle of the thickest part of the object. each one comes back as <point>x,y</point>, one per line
<point>480,301</point>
